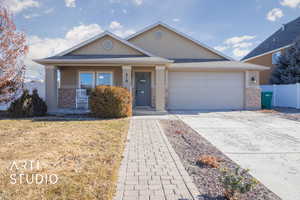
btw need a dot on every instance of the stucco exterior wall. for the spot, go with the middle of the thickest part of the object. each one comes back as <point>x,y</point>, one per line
<point>265,60</point>
<point>171,45</point>
<point>51,87</point>
<point>70,75</point>
<point>96,47</point>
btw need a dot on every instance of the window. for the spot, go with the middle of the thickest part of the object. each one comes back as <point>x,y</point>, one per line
<point>275,57</point>
<point>86,80</point>
<point>104,78</point>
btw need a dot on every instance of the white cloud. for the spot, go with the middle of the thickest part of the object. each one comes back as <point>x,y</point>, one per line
<point>176,20</point>
<point>70,3</point>
<point>48,11</point>
<point>83,32</point>
<point>124,11</point>
<point>17,6</point>
<point>115,25</point>
<point>30,16</point>
<point>239,45</point>
<point>274,14</point>
<point>236,40</point>
<point>290,3</point>
<point>243,45</point>
<point>45,47</point>
<point>124,33</point>
<point>138,2</point>
<point>240,52</point>
<point>221,48</point>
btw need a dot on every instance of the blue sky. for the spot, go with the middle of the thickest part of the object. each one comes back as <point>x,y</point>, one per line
<point>232,26</point>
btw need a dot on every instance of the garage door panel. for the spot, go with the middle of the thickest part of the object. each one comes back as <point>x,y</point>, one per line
<point>205,90</point>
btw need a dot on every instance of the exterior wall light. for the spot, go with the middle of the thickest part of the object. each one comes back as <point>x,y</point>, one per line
<point>253,79</point>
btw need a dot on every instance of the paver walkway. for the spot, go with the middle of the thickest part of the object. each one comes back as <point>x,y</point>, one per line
<point>151,170</point>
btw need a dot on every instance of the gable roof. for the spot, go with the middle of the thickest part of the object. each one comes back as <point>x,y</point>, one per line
<point>179,33</point>
<point>282,38</point>
<point>101,35</point>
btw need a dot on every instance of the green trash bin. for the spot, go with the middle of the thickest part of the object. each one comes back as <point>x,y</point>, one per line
<point>266,100</point>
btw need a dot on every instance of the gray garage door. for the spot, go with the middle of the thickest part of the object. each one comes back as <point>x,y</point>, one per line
<point>205,90</point>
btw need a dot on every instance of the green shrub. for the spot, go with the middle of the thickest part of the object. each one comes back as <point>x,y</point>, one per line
<point>236,183</point>
<point>28,105</point>
<point>39,107</point>
<point>110,102</point>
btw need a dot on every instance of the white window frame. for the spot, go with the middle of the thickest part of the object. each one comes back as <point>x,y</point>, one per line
<point>84,72</point>
<point>106,72</point>
<point>95,77</point>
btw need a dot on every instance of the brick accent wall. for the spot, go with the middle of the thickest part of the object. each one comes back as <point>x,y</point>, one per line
<point>66,98</point>
<point>253,98</point>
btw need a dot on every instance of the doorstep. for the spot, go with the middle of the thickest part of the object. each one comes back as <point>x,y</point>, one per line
<point>140,111</point>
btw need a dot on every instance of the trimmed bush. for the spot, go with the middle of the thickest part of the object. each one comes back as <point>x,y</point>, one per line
<point>28,105</point>
<point>39,106</point>
<point>110,102</point>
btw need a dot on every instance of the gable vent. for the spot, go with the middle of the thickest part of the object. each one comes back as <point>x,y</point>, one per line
<point>107,44</point>
<point>158,35</point>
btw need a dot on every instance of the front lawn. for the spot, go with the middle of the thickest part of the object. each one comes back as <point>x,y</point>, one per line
<point>81,157</point>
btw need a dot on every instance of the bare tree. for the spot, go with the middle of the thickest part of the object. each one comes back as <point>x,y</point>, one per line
<point>13,49</point>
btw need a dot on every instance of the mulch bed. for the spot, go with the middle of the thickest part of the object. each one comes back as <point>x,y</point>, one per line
<point>189,145</point>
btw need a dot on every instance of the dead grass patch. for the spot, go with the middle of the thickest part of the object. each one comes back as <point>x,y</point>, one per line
<point>85,154</point>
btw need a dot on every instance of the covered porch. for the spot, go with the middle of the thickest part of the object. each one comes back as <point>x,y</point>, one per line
<point>146,81</point>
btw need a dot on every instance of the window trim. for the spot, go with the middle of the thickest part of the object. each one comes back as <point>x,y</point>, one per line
<point>83,72</point>
<point>107,72</point>
<point>95,77</point>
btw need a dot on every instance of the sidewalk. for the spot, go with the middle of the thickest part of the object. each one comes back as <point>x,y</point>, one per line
<point>151,170</point>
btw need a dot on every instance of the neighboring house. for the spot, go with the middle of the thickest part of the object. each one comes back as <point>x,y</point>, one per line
<point>30,85</point>
<point>163,68</point>
<point>267,53</point>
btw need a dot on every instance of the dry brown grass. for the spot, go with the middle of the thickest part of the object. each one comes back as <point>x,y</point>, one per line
<point>85,154</point>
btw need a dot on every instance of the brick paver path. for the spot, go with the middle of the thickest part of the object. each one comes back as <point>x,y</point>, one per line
<point>151,170</point>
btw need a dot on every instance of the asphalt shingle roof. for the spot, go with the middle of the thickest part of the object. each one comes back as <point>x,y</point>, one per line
<point>192,60</point>
<point>281,38</point>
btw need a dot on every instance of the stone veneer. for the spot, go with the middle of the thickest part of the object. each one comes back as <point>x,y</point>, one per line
<point>66,98</point>
<point>253,98</point>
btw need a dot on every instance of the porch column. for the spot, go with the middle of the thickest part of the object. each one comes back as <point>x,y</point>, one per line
<point>160,89</point>
<point>126,80</point>
<point>51,87</point>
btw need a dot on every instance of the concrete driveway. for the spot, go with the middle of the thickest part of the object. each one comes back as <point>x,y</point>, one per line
<point>266,144</point>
